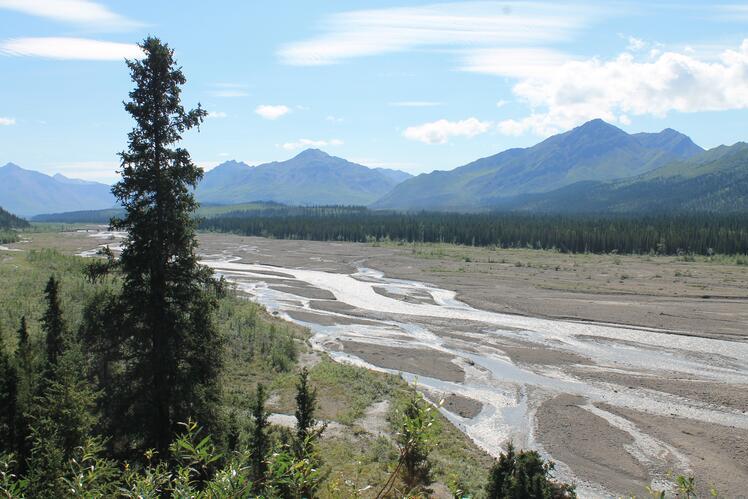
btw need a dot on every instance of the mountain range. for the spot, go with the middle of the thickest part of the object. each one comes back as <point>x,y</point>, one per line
<point>595,151</point>
<point>27,192</point>
<point>713,181</point>
<point>595,167</point>
<point>310,178</point>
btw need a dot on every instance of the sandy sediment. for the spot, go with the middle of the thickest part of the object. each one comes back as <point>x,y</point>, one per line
<point>418,361</point>
<point>729,396</point>
<point>587,442</point>
<point>720,453</point>
<point>326,319</point>
<point>462,406</point>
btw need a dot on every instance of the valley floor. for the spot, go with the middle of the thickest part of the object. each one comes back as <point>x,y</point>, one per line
<point>620,368</point>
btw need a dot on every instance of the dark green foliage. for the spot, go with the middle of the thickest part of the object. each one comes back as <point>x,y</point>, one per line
<point>10,221</point>
<point>82,216</point>
<point>259,443</point>
<point>307,431</point>
<point>61,414</point>
<point>52,324</point>
<point>167,354</point>
<point>524,474</point>
<point>703,234</point>
<point>24,361</point>
<point>306,404</point>
<point>61,419</point>
<point>8,400</point>
<point>24,353</point>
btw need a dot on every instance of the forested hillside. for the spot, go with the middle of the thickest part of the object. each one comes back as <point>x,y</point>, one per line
<point>11,221</point>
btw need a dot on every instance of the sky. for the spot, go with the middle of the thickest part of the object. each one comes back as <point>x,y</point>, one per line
<point>417,86</point>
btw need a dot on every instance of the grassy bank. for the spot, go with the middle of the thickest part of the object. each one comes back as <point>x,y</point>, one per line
<point>263,348</point>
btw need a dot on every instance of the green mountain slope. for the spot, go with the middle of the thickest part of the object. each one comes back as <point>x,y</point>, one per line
<point>10,221</point>
<point>311,177</point>
<point>713,181</point>
<point>594,151</point>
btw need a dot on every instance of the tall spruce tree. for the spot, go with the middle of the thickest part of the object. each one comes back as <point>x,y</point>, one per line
<point>8,400</point>
<point>53,324</point>
<point>24,353</point>
<point>24,360</point>
<point>170,346</point>
<point>259,442</point>
<point>306,405</point>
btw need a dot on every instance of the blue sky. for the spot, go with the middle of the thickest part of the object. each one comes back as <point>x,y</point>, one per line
<point>411,85</point>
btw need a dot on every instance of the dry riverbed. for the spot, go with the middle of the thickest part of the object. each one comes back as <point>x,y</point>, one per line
<point>620,368</point>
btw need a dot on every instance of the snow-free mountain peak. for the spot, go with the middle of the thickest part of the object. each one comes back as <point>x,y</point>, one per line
<point>310,177</point>
<point>595,151</point>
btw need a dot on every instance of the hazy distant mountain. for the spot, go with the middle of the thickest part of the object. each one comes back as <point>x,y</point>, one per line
<point>311,177</point>
<point>595,151</point>
<point>28,192</point>
<point>73,181</point>
<point>396,176</point>
<point>712,181</point>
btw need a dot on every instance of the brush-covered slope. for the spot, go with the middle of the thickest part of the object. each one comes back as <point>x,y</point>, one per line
<point>312,177</point>
<point>594,151</point>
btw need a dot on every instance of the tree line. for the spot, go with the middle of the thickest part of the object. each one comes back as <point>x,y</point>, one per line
<point>702,234</point>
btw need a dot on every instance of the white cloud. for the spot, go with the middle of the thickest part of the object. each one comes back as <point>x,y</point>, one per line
<point>617,89</point>
<point>512,62</point>
<point>7,121</point>
<point>217,114</point>
<point>729,12</point>
<point>439,132</point>
<point>415,103</point>
<point>272,112</point>
<point>70,48</point>
<point>228,93</point>
<point>635,44</point>
<point>81,12</point>
<point>501,103</point>
<point>334,119</point>
<point>464,25</point>
<point>228,90</point>
<point>305,143</point>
